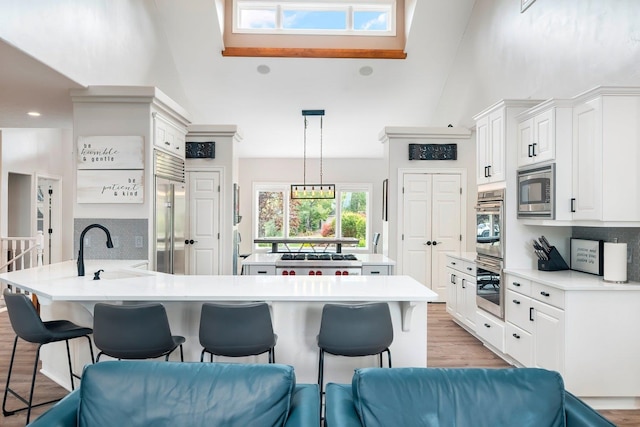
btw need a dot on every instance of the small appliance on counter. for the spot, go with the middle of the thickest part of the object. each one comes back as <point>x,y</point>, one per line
<point>549,259</point>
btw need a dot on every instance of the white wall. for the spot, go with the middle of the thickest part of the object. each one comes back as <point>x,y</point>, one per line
<point>34,152</point>
<point>555,49</point>
<point>97,42</point>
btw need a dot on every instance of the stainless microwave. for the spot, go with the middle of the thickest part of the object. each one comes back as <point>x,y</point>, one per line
<point>536,192</point>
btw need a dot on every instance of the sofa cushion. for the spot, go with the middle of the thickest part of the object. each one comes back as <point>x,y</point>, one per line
<point>458,397</point>
<point>147,393</point>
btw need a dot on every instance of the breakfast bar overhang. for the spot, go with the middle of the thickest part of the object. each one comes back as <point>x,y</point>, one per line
<point>296,304</point>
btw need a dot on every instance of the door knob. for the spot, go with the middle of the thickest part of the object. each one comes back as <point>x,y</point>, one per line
<point>434,243</point>
<point>428,243</point>
<point>190,242</point>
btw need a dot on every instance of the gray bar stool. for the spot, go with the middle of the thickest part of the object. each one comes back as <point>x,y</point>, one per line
<point>354,330</point>
<point>28,326</point>
<point>138,331</point>
<point>236,330</point>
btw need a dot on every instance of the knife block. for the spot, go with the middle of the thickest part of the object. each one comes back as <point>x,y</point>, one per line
<point>554,263</point>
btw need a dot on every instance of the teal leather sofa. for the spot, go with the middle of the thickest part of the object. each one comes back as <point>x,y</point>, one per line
<point>158,394</point>
<point>436,397</point>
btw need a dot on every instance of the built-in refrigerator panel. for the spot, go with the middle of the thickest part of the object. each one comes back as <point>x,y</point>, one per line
<point>163,243</point>
<point>179,232</point>
<point>170,214</point>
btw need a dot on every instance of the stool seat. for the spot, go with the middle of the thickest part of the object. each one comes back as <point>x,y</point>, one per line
<point>28,326</point>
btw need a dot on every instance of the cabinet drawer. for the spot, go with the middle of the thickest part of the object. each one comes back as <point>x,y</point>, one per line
<point>519,285</point>
<point>455,263</point>
<point>490,330</point>
<point>547,294</point>
<point>262,270</point>
<point>375,270</point>
<point>470,268</point>
<point>519,344</point>
<point>518,310</point>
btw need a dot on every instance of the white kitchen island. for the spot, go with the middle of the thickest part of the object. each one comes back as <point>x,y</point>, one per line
<point>296,304</point>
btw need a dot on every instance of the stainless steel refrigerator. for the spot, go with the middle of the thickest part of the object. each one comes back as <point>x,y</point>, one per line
<point>170,211</point>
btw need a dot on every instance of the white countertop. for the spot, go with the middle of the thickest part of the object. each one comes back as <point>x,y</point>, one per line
<point>268,258</point>
<point>465,256</point>
<point>569,280</point>
<point>121,282</point>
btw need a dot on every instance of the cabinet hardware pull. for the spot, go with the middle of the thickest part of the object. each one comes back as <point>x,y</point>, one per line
<point>489,171</point>
<point>453,279</point>
<point>516,336</point>
<point>531,313</point>
<point>534,149</point>
<point>463,286</point>
<point>167,143</point>
<point>487,325</point>
<point>573,204</point>
<point>529,150</point>
<point>453,263</point>
<point>545,294</point>
<point>486,172</point>
<point>516,284</point>
<point>469,268</point>
<point>515,301</point>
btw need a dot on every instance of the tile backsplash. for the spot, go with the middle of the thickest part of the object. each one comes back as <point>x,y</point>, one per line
<point>630,236</point>
<point>130,238</point>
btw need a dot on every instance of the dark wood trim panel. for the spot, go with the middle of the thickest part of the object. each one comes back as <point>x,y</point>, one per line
<point>314,53</point>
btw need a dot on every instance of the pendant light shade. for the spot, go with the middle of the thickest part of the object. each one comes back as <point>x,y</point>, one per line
<point>312,191</point>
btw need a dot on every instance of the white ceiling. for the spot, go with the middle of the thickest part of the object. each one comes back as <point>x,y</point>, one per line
<point>267,107</point>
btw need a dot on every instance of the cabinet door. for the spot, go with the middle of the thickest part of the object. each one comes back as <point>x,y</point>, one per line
<point>548,333</point>
<point>525,142</point>
<point>517,310</point>
<point>482,150</point>
<point>451,292</point>
<point>497,146</point>
<point>469,310</point>
<point>544,141</point>
<point>519,344</point>
<point>587,161</point>
<point>460,295</point>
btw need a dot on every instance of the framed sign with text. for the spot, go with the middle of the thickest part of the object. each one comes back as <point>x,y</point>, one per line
<point>110,169</point>
<point>110,186</point>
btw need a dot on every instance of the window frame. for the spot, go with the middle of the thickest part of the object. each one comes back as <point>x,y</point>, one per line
<point>286,189</point>
<point>349,6</point>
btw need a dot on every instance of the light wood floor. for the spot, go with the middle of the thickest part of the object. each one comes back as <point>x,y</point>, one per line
<point>448,346</point>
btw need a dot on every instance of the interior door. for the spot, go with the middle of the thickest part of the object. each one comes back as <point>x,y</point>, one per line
<point>203,249</point>
<point>431,227</point>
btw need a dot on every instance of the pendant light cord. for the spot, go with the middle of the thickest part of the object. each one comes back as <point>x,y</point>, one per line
<point>320,151</point>
<point>304,162</point>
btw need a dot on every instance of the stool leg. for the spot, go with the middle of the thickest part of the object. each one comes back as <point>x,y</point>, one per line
<point>6,390</point>
<point>70,368</point>
<point>33,382</point>
<point>93,360</point>
<point>389,354</point>
<point>181,354</point>
<point>202,356</point>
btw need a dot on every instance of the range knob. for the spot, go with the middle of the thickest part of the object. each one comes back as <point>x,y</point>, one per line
<point>318,273</point>
<point>338,273</point>
<point>312,273</point>
<point>292,273</point>
<point>285,273</point>
<point>345,273</point>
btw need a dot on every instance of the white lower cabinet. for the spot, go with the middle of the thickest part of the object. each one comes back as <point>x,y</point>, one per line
<point>534,329</point>
<point>490,329</point>
<point>461,291</point>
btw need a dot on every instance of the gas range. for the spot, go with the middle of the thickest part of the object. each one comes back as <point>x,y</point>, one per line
<point>317,264</point>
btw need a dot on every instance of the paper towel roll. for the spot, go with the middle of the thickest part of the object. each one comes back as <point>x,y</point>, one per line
<point>615,262</point>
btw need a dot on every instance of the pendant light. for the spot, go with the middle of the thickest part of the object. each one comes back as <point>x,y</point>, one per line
<point>312,191</point>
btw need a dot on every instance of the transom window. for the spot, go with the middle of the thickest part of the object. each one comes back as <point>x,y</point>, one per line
<point>277,215</point>
<point>328,17</point>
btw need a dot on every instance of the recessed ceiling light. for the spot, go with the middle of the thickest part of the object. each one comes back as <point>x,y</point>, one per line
<point>366,70</point>
<point>33,114</point>
<point>264,69</point>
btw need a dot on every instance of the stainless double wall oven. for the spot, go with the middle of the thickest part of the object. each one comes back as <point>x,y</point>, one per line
<point>490,251</point>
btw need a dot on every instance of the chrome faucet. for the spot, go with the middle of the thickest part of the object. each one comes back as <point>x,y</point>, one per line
<point>81,251</point>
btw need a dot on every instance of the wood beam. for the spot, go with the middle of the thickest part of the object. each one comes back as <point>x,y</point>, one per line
<point>314,53</point>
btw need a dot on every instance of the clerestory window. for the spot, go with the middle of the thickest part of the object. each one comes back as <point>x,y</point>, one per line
<point>328,17</point>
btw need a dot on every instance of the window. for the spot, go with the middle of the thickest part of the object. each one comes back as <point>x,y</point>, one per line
<point>280,216</point>
<point>337,17</point>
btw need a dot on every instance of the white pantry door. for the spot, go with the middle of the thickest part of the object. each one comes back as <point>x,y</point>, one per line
<point>203,255</point>
<point>431,227</point>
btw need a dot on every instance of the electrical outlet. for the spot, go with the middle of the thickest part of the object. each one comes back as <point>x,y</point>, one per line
<point>629,254</point>
<point>138,241</point>
<point>116,241</point>
<point>87,241</point>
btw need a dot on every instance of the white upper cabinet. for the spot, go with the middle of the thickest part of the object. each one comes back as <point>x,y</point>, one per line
<point>606,153</point>
<point>169,136</point>
<point>537,138</point>
<point>495,126</point>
